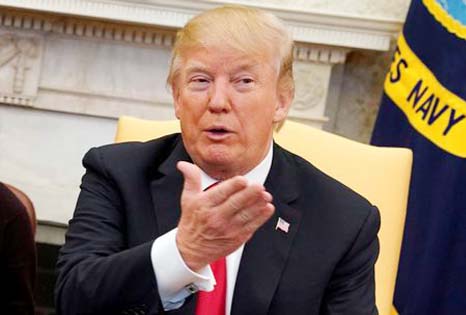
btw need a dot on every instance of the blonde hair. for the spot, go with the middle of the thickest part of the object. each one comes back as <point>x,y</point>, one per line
<point>247,30</point>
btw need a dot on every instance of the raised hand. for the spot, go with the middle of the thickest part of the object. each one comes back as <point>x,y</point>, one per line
<point>216,222</point>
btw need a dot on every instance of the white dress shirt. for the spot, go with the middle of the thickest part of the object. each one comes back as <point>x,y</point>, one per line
<point>175,280</point>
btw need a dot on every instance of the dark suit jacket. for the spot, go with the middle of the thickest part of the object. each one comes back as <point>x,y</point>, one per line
<point>130,195</point>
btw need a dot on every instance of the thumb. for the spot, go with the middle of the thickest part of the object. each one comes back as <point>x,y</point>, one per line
<point>192,177</point>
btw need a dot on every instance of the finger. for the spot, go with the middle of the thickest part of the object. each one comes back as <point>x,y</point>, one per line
<point>224,190</point>
<point>251,212</point>
<point>260,218</point>
<point>192,177</point>
<point>244,198</point>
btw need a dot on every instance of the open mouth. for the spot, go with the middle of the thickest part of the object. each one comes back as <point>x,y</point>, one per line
<point>218,131</point>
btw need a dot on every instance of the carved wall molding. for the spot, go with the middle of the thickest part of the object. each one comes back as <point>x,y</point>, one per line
<point>306,26</point>
<point>314,53</point>
<point>15,100</point>
<point>71,26</point>
<point>60,96</point>
<point>19,67</point>
<point>313,92</point>
<point>312,84</point>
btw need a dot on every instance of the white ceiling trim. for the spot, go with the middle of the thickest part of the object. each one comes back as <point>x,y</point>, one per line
<point>306,26</point>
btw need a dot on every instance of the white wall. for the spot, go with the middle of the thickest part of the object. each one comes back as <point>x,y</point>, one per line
<point>41,153</point>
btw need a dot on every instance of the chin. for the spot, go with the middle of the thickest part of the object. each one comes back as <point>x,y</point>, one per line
<point>219,160</point>
<point>220,153</point>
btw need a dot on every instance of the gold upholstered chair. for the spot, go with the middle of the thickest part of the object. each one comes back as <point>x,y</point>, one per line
<point>381,175</point>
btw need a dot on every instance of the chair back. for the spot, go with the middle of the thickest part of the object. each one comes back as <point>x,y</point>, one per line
<point>380,174</point>
<point>27,203</point>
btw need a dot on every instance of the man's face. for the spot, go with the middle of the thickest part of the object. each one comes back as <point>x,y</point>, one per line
<point>227,104</point>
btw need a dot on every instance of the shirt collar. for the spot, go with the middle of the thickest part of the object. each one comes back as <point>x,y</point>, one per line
<point>257,175</point>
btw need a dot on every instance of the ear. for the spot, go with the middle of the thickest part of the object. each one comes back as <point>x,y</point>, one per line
<point>284,100</point>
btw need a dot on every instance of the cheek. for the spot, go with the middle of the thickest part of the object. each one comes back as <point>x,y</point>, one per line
<point>190,116</point>
<point>256,125</point>
<point>262,113</point>
<point>188,105</point>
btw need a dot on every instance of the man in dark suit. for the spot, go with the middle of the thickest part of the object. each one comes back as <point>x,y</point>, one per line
<point>219,220</point>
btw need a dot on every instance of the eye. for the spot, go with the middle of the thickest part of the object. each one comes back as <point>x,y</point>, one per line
<point>247,80</point>
<point>244,83</point>
<point>198,82</point>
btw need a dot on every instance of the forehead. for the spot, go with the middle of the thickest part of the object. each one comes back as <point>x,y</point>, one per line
<point>226,59</point>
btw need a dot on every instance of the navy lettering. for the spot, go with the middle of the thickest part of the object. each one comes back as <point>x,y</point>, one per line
<point>402,62</point>
<point>425,107</point>
<point>415,92</point>
<point>453,121</point>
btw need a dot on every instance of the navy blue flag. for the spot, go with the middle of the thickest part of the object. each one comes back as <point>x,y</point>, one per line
<point>424,108</point>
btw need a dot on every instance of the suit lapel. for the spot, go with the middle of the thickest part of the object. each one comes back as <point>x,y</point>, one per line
<point>265,255</point>
<point>166,189</point>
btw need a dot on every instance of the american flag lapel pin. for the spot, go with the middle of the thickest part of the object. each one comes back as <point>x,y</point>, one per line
<point>282,225</point>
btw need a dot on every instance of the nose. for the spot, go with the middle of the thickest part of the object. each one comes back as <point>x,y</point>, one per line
<point>219,100</point>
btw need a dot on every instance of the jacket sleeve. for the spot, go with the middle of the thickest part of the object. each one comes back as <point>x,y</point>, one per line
<point>97,272</point>
<point>352,287</point>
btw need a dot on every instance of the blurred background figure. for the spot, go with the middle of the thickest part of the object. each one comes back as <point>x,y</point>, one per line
<point>17,252</point>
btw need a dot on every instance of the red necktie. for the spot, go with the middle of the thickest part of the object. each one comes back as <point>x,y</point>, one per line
<point>213,302</point>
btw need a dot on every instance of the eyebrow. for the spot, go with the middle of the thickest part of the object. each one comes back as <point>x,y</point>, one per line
<point>199,67</point>
<point>196,68</point>
<point>246,67</point>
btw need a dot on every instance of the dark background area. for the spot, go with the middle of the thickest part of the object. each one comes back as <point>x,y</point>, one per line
<point>46,277</point>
